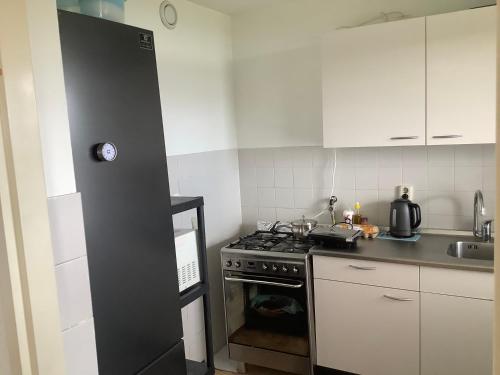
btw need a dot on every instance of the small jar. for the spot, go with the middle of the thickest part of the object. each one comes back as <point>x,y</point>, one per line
<point>347,215</point>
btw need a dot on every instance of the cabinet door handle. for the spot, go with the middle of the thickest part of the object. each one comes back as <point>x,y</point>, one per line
<point>403,138</point>
<point>448,136</point>
<point>363,268</point>
<point>400,299</point>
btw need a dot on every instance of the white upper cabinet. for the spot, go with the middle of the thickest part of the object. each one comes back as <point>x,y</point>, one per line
<point>374,85</point>
<point>461,77</point>
<point>412,82</point>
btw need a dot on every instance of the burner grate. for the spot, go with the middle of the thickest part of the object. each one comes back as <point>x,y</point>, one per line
<point>294,246</point>
<point>267,241</point>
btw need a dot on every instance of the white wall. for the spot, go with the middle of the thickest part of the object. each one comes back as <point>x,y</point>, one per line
<point>51,98</point>
<point>277,63</point>
<point>194,71</point>
<point>215,176</point>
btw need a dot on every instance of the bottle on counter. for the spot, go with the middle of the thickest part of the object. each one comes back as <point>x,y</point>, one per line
<point>356,218</point>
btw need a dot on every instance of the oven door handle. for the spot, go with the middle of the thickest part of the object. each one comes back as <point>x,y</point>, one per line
<point>298,285</point>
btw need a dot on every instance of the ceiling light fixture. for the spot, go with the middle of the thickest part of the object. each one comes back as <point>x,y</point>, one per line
<point>168,14</point>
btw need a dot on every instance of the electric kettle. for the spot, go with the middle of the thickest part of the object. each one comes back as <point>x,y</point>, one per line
<point>405,217</point>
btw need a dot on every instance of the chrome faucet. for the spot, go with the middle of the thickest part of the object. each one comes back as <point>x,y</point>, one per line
<point>481,230</point>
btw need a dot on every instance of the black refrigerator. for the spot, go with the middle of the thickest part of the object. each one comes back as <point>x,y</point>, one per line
<point>121,172</point>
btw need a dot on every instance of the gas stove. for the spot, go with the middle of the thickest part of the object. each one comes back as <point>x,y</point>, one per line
<point>272,242</point>
<point>267,253</point>
<point>269,266</point>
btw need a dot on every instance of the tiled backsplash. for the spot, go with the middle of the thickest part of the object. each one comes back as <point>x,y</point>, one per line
<point>286,183</point>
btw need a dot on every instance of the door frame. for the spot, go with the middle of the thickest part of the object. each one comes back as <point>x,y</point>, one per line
<point>11,355</point>
<point>496,332</point>
<point>28,294</point>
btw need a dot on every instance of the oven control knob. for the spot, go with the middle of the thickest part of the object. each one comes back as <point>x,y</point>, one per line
<point>229,263</point>
<point>284,269</point>
<point>237,264</point>
<point>265,267</point>
<point>275,268</point>
<point>295,270</point>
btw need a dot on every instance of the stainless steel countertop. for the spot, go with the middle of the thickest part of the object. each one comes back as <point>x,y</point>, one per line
<point>429,250</point>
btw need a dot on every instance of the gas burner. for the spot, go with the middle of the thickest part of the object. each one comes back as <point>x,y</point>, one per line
<point>294,246</point>
<point>270,235</point>
<point>263,241</point>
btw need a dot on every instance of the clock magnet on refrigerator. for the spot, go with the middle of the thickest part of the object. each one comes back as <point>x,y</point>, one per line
<point>106,151</point>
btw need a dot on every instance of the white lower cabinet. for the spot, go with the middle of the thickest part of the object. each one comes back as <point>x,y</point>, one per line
<point>366,329</point>
<point>378,318</point>
<point>456,335</point>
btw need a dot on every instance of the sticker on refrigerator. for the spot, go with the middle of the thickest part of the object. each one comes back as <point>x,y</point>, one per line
<point>146,41</point>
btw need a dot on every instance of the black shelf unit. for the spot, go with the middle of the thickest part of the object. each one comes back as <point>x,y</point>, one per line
<point>182,204</point>
<point>197,368</point>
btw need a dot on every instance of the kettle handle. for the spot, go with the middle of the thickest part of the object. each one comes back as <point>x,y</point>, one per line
<point>418,215</point>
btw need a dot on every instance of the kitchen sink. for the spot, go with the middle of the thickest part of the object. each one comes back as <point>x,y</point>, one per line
<point>471,250</point>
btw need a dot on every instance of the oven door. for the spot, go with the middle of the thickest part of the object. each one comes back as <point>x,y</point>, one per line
<point>267,320</point>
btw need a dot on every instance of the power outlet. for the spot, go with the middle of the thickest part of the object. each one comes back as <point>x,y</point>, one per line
<point>405,191</point>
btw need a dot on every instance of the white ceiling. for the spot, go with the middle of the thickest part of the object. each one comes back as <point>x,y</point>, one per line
<point>237,6</point>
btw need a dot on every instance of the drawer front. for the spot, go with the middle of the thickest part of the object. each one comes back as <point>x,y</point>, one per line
<point>457,282</point>
<point>391,275</point>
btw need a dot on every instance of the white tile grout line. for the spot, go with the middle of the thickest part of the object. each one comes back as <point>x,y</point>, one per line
<point>69,261</point>
<point>67,195</point>
<point>80,323</point>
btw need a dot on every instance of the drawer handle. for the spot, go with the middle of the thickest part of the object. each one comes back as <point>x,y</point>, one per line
<point>400,299</point>
<point>403,138</point>
<point>363,268</point>
<point>447,136</point>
